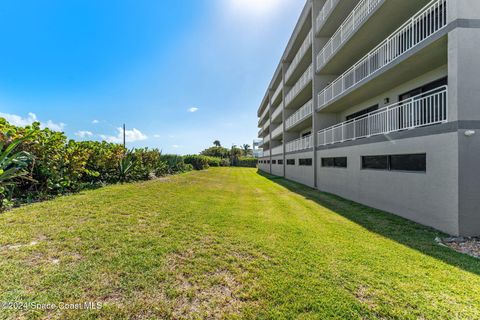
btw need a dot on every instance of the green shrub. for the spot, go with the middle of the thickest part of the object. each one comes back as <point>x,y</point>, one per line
<point>247,162</point>
<point>198,162</point>
<point>61,166</point>
<point>225,162</point>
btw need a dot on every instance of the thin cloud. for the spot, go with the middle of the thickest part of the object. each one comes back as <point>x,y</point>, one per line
<point>130,136</point>
<point>84,134</point>
<point>156,136</point>
<point>193,109</point>
<point>95,121</point>
<point>20,121</point>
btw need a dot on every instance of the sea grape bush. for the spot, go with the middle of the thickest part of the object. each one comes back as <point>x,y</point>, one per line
<point>60,166</point>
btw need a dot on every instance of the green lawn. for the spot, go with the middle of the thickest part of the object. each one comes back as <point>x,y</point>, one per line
<point>228,243</point>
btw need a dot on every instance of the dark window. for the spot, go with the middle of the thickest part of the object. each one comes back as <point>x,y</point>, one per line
<point>375,162</point>
<point>274,161</point>
<point>409,162</point>
<point>401,162</point>
<point>268,161</point>
<point>327,162</point>
<point>291,162</point>
<point>362,113</point>
<point>428,87</point>
<point>280,161</point>
<point>340,162</point>
<point>305,162</point>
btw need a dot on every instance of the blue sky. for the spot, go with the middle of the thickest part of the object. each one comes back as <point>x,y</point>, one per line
<point>180,74</point>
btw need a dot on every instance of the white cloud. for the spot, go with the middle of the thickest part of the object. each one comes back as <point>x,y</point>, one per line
<point>156,136</point>
<point>193,109</point>
<point>19,121</point>
<point>95,121</point>
<point>84,134</point>
<point>130,136</point>
<point>175,146</point>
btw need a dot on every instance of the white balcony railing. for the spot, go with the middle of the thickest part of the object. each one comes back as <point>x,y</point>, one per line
<point>359,14</point>
<point>325,12</point>
<point>277,92</point>
<point>277,150</point>
<point>424,24</point>
<point>422,110</point>
<point>264,114</point>
<point>266,126</point>
<point>260,132</point>
<point>277,131</point>
<point>299,144</point>
<point>277,111</point>
<point>266,139</point>
<point>266,153</point>
<point>300,115</point>
<point>300,85</point>
<point>307,44</point>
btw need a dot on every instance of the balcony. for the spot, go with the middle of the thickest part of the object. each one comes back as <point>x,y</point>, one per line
<point>262,117</point>
<point>277,150</point>
<point>260,132</point>
<point>306,45</point>
<point>277,112</point>
<point>300,115</point>
<point>266,126</point>
<point>277,131</point>
<point>304,80</point>
<point>325,12</point>
<point>422,110</point>
<point>277,92</point>
<point>266,153</point>
<point>430,20</point>
<point>356,18</point>
<point>300,144</point>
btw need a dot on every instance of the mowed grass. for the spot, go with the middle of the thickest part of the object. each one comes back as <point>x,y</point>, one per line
<point>228,243</point>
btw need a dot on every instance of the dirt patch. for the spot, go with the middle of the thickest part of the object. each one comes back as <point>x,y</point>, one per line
<point>209,295</point>
<point>470,246</point>
<point>365,297</point>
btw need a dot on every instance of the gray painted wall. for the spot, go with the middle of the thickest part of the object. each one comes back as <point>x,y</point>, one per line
<point>429,198</point>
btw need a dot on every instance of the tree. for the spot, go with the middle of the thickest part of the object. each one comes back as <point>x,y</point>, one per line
<point>218,152</point>
<point>235,154</point>
<point>217,143</point>
<point>246,149</point>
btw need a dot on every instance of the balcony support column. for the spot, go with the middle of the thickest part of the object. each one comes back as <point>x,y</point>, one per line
<point>463,106</point>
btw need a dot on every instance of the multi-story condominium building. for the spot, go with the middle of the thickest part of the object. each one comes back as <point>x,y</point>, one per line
<point>378,101</point>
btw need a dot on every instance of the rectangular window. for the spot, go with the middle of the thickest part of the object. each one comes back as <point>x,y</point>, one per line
<point>400,162</point>
<point>274,161</point>
<point>375,162</point>
<point>409,162</point>
<point>305,162</point>
<point>327,162</point>
<point>268,161</point>
<point>280,162</point>
<point>339,162</point>
<point>291,162</point>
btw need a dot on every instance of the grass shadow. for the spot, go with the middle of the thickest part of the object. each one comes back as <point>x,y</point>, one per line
<point>401,230</point>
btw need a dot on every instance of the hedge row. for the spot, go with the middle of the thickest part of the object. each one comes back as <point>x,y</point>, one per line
<point>61,166</point>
